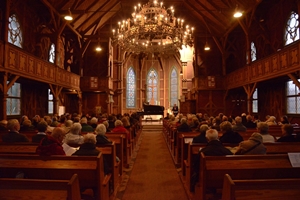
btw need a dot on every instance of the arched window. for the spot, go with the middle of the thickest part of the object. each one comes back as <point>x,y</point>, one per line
<point>255,101</point>
<point>131,89</point>
<point>14,31</point>
<point>152,85</point>
<point>292,98</point>
<point>173,87</point>
<point>292,29</point>
<point>52,53</point>
<point>253,53</point>
<point>13,103</point>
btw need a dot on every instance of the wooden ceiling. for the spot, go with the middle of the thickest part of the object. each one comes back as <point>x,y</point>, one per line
<point>96,18</point>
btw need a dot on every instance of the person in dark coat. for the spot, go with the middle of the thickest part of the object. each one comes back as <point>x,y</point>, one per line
<point>13,134</point>
<point>184,127</point>
<point>88,148</point>
<point>41,127</point>
<point>100,135</point>
<point>52,144</point>
<point>287,134</point>
<point>229,136</point>
<point>201,138</point>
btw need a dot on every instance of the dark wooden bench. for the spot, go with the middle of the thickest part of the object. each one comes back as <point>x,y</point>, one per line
<point>36,189</point>
<point>213,168</point>
<point>90,170</point>
<point>119,143</point>
<point>18,148</point>
<point>275,189</point>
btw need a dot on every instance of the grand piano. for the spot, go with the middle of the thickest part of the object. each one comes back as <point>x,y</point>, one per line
<point>152,110</point>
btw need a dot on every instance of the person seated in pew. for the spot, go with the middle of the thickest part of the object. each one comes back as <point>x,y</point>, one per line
<point>74,137</point>
<point>94,122</point>
<point>41,127</point>
<point>3,126</point>
<point>52,144</point>
<point>284,120</point>
<point>184,127</point>
<point>239,126</point>
<point>27,126</point>
<point>228,135</point>
<point>263,129</point>
<point>287,134</point>
<point>119,128</point>
<point>253,146</point>
<point>85,127</point>
<point>100,135</point>
<point>106,125</point>
<point>13,134</point>
<point>249,122</point>
<point>201,138</point>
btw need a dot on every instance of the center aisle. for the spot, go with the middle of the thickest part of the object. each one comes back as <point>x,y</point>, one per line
<point>154,175</point>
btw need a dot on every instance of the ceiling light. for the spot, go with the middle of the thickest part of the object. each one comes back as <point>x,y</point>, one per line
<point>237,12</point>
<point>69,17</point>
<point>98,48</point>
<point>206,47</point>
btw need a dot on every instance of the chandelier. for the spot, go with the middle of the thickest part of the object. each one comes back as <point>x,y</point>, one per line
<point>153,28</point>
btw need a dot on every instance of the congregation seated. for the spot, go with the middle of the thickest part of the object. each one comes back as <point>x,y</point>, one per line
<point>238,126</point>
<point>287,134</point>
<point>253,146</point>
<point>119,128</point>
<point>100,135</point>
<point>228,135</point>
<point>52,144</point>
<point>201,138</point>
<point>27,126</point>
<point>41,127</point>
<point>74,137</point>
<point>13,134</point>
<point>263,129</point>
<point>85,127</point>
<point>184,127</point>
<point>94,122</point>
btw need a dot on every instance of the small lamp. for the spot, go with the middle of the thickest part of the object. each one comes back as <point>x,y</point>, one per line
<point>206,47</point>
<point>69,16</point>
<point>237,13</point>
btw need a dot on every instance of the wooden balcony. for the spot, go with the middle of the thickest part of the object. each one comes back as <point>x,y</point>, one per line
<point>18,62</point>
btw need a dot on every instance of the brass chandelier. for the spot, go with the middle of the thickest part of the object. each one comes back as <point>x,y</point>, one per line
<point>153,28</point>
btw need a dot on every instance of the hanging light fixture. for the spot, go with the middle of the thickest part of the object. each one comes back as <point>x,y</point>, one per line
<point>206,46</point>
<point>153,28</point>
<point>69,16</point>
<point>237,12</point>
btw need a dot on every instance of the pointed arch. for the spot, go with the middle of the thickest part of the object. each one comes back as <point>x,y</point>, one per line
<point>173,86</point>
<point>152,87</point>
<point>292,28</point>
<point>15,36</point>
<point>131,88</point>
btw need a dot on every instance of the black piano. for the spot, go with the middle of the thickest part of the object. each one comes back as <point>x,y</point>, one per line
<point>152,110</point>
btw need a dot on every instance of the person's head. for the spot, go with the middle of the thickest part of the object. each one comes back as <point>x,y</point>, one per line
<point>68,123</point>
<point>3,123</point>
<point>118,123</point>
<point>238,120</point>
<point>26,123</point>
<point>211,134</point>
<point>89,138</point>
<point>58,133</point>
<point>42,126</point>
<point>203,128</point>
<point>106,124</point>
<point>100,129</point>
<point>125,121</point>
<point>76,128</point>
<point>287,129</point>
<point>262,127</point>
<point>183,120</point>
<point>249,118</point>
<point>94,120</point>
<point>83,120</point>
<point>226,126</point>
<point>13,125</point>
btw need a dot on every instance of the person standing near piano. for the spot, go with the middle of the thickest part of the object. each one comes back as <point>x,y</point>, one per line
<point>175,110</point>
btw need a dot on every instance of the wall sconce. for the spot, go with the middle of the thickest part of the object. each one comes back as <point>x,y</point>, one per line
<point>69,16</point>
<point>237,12</point>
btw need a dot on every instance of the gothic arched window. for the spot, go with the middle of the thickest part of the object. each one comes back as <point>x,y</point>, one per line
<point>253,53</point>
<point>52,53</point>
<point>14,31</point>
<point>131,89</point>
<point>173,87</point>
<point>292,29</point>
<point>152,85</point>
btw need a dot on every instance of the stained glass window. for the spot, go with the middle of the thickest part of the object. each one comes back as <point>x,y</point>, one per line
<point>292,29</point>
<point>152,84</point>
<point>131,89</point>
<point>293,100</point>
<point>13,104</point>
<point>174,87</point>
<point>52,53</point>
<point>14,31</point>
<point>255,102</point>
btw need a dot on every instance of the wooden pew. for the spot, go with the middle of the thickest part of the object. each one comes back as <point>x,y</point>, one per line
<point>213,169</point>
<point>90,170</point>
<point>18,148</point>
<point>36,189</point>
<point>275,189</point>
<point>119,142</point>
<point>282,147</point>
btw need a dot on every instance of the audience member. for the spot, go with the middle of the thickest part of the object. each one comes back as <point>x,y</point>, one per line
<point>249,123</point>
<point>85,126</point>
<point>184,127</point>
<point>3,126</point>
<point>13,134</point>
<point>201,138</point>
<point>229,136</point>
<point>94,122</point>
<point>27,126</point>
<point>287,134</point>
<point>67,125</point>
<point>263,129</point>
<point>41,127</point>
<point>284,120</point>
<point>271,121</point>
<point>253,146</point>
<point>88,148</point>
<point>106,125</point>
<point>74,137</point>
<point>238,126</point>
<point>119,128</point>
<point>52,144</point>
<point>216,123</point>
<point>100,135</point>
